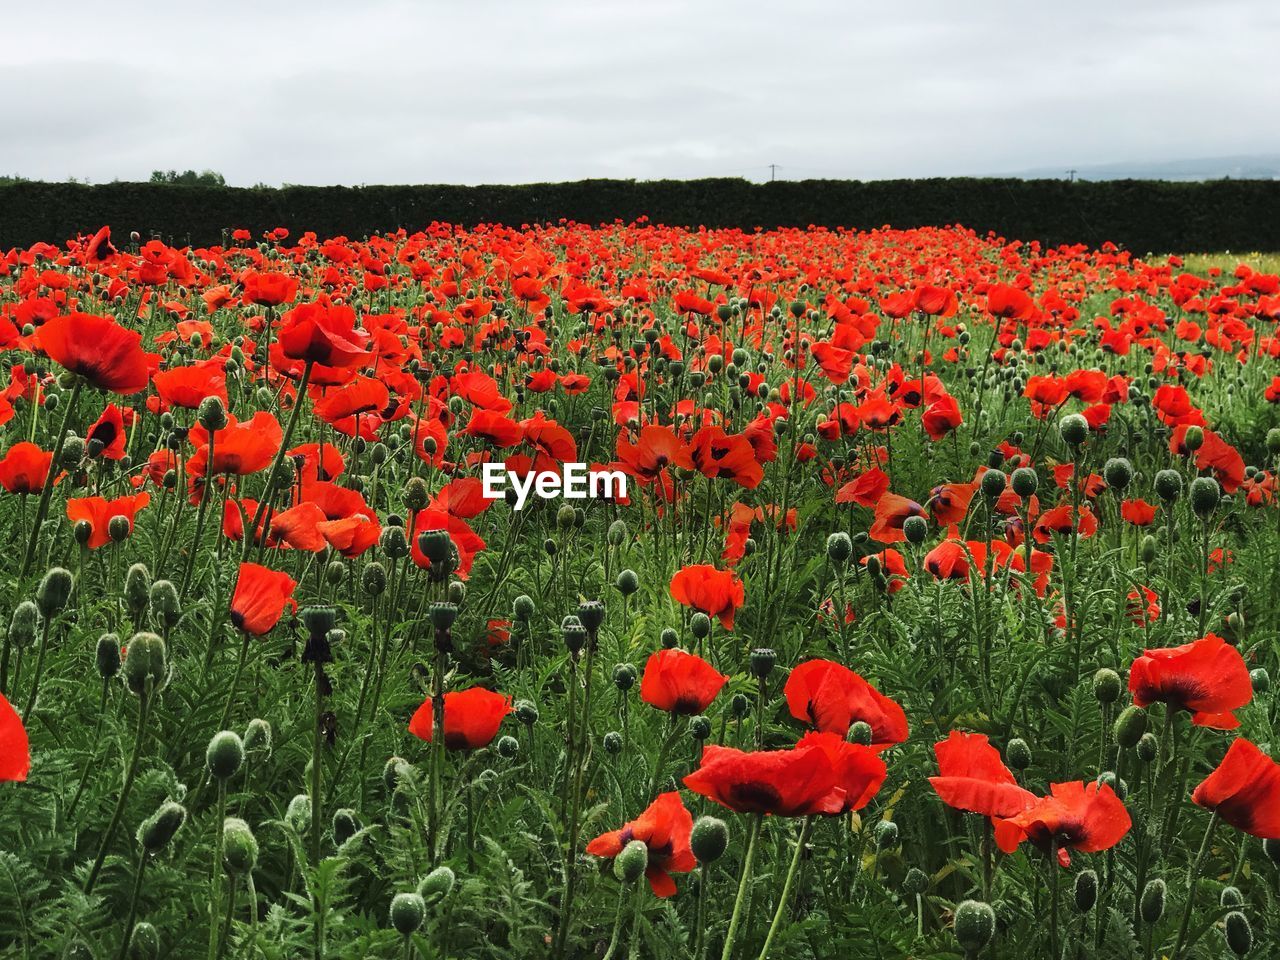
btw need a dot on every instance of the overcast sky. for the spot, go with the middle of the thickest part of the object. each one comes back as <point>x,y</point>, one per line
<point>487,91</point>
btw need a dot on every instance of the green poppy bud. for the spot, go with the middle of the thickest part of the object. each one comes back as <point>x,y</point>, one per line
<point>699,728</point>
<point>416,496</point>
<point>700,625</point>
<point>1261,680</point>
<point>1106,685</point>
<point>298,813</point>
<point>1238,933</point>
<point>1018,754</point>
<point>1168,484</point>
<point>1193,438</point>
<point>1130,726</point>
<point>915,529</point>
<point>374,579</point>
<point>617,534</point>
<point>393,771</point>
<point>393,543</point>
<point>860,732</point>
<point>146,665</point>
<point>165,604</point>
<point>1230,897</point>
<point>1147,747</point>
<point>975,925</point>
<point>1074,429</point>
<point>239,847</point>
<point>739,705</point>
<point>1025,482</point>
<point>107,656</point>
<point>624,676</point>
<point>211,414</point>
<point>630,864</point>
<point>145,942</point>
<point>574,634</point>
<point>407,913</point>
<point>224,755</point>
<point>522,608</point>
<point>437,884</point>
<point>1118,472</point>
<point>257,737</point>
<point>54,592</point>
<point>118,528</point>
<point>346,824</point>
<point>668,638</point>
<point>1148,548</point>
<point>137,588</point>
<point>158,829</point>
<point>839,548</point>
<point>915,882</point>
<point>886,834</point>
<point>1205,496</point>
<point>1151,904</point>
<point>613,743</point>
<point>508,747</point>
<point>1086,890</point>
<point>526,712</point>
<point>993,484</point>
<point>627,582</point>
<point>22,626</point>
<point>709,839</point>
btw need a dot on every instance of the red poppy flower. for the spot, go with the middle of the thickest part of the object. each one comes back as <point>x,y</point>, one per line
<point>717,593</point>
<point>1244,790</point>
<point>238,448</point>
<point>323,333</point>
<point>188,387</point>
<point>1207,677</point>
<point>109,431</point>
<point>680,682</point>
<point>971,776</point>
<point>268,289</point>
<point>260,598</point>
<point>350,536</point>
<point>494,428</point>
<point>859,773</point>
<point>1073,817</point>
<point>106,354</point>
<point>298,528</point>
<point>25,468</point>
<point>832,697</point>
<point>471,718</point>
<point>99,513</point>
<point>655,449</point>
<point>786,783</point>
<point>664,828</point>
<point>15,749</point>
<point>891,513</point>
<point>1138,513</point>
<point>717,454</point>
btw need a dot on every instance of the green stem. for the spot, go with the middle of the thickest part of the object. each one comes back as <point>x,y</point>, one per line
<point>744,883</point>
<point>133,904</point>
<point>1191,885</point>
<point>131,773</point>
<point>46,492</point>
<point>784,898</point>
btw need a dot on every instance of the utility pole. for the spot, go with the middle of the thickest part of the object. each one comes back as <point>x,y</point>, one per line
<point>773,172</point>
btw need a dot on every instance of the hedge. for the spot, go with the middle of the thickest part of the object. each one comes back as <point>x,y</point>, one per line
<point>1142,215</point>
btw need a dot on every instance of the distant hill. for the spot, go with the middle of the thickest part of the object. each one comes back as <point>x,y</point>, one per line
<point>1262,166</point>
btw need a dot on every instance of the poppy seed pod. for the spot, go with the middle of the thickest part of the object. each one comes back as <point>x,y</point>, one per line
<point>158,829</point>
<point>224,755</point>
<point>335,572</point>
<point>442,614</point>
<point>574,634</point>
<point>1018,753</point>
<point>73,449</point>
<point>993,484</point>
<point>627,582</point>
<point>975,925</point>
<point>1106,685</point>
<point>1086,890</point>
<point>1118,472</point>
<point>1205,496</point>
<point>763,660</point>
<point>699,728</point>
<point>346,824</point>
<point>145,942</point>
<point>1130,726</point>
<point>22,625</point>
<point>591,614</point>
<point>700,625</point>
<point>54,592</point>
<point>1151,904</point>
<point>1168,485</point>
<point>107,656</point>
<point>886,834</point>
<point>165,604</point>
<point>435,545</point>
<point>137,588</point>
<point>1238,933</point>
<point>407,913</point>
<point>839,548</point>
<point>239,847</point>
<point>860,732</point>
<point>298,814</point>
<point>257,737</point>
<point>146,666</point>
<point>1074,429</point>
<point>211,414</point>
<point>613,743</point>
<point>631,863</point>
<point>437,884</point>
<point>669,638</point>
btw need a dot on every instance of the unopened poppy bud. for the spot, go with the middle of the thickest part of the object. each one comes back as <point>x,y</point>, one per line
<point>374,579</point>
<point>165,604</point>
<point>574,634</point>
<point>508,747</point>
<point>22,625</point>
<point>914,529</point>
<point>1261,680</point>
<point>617,534</point>
<point>1273,440</point>
<point>669,638</point>
<point>407,913</point>
<point>873,566</point>
<point>211,414</point>
<point>346,824</point>
<point>630,864</point>
<point>146,664</point>
<point>1130,726</point>
<point>257,737</point>
<point>860,733</point>
<point>699,728</point>
<point>73,450</point>
<point>627,582</point>
<point>1205,495</point>
<point>119,528</point>
<point>1151,904</point>
<point>158,829</point>
<point>224,755</point>
<point>1025,482</point>
<point>839,548</point>
<point>1238,933</point>
<point>1106,685</point>
<point>709,839</point>
<point>416,494</point>
<point>739,705</point>
<point>378,454</point>
<point>1147,747</point>
<point>54,592</point>
<point>1193,438</point>
<point>239,847</point>
<point>137,588</point>
<point>1018,754</point>
<point>1148,548</point>
<point>522,608</point>
<point>564,517</point>
<point>993,484</point>
<point>700,625</point>
<point>624,676</point>
<point>443,615</point>
<point>975,925</point>
<point>393,543</point>
<point>437,884</point>
<point>298,813</point>
<point>107,656</point>
<point>591,614</point>
<point>145,942</point>
<point>1118,472</point>
<point>915,882</point>
<point>1168,484</point>
<point>763,660</point>
<point>335,572</point>
<point>1230,897</point>
<point>81,531</point>
<point>1074,429</point>
<point>526,712</point>
<point>613,743</point>
<point>1086,890</point>
<point>393,771</point>
<point>886,834</point>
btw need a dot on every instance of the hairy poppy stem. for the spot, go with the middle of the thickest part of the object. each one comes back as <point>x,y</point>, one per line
<point>784,898</point>
<point>133,904</point>
<point>131,772</point>
<point>1191,885</point>
<point>743,883</point>
<point>46,493</point>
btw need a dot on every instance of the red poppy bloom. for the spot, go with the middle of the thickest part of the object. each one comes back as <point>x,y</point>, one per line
<point>15,749</point>
<point>717,454</point>
<point>99,513</point>
<point>1073,817</point>
<point>1207,677</point>
<point>471,718</point>
<point>655,449</point>
<point>1138,513</point>
<point>268,289</point>
<point>25,468</point>
<point>494,428</point>
<point>786,783</point>
<point>109,431</point>
<point>832,698</point>
<point>260,598</point>
<point>664,828</point>
<point>238,448</point>
<point>859,773</point>
<point>323,333</point>
<point>717,593</point>
<point>187,387</point>
<point>1244,790</point>
<point>891,513</point>
<point>680,682</point>
<point>971,776</point>
<point>106,354</point>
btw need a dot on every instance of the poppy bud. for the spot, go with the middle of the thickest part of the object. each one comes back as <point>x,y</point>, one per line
<point>1074,429</point>
<point>1118,472</point>
<point>73,449</point>
<point>617,533</point>
<point>158,829</point>
<point>146,666</point>
<point>874,565</point>
<point>1147,747</point>
<point>443,615</point>
<point>239,847</point>
<point>407,913</point>
<point>394,543</point>
<point>145,942</point>
<point>1130,726</point>
<point>54,591</point>
<point>522,608</point>
<point>211,414</point>
<point>886,834</point>
<point>591,613</point>
<point>165,603</point>
<point>627,582</point>
<point>1168,484</point>
<point>915,882</point>
<point>224,755</point>
<point>1261,680</point>
<point>119,528</point>
<point>508,747</point>
<point>993,484</point>
<point>257,737</point>
<point>699,728</point>
<point>108,656</point>
<point>416,494</point>
<point>1018,754</point>
<point>1238,932</point>
<point>374,579</point>
<point>700,625</point>
<point>1193,439</point>
<point>1273,440</point>
<point>860,732</point>
<point>915,529</point>
<point>526,712</point>
<point>624,676</point>
<point>346,824</point>
<point>631,863</point>
<point>1205,495</point>
<point>668,638</point>
<point>763,660</point>
<point>437,884</point>
<point>393,771</point>
<point>22,626</point>
<point>1086,890</point>
<point>335,572</point>
<point>839,548</point>
<point>574,634</point>
<point>1106,685</point>
<point>1230,897</point>
<point>81,531</point>
<point>1151,905</point>
<point>137,588</point>
<point>298,814</point>
<point>975,925</point>
<point>613,743</point>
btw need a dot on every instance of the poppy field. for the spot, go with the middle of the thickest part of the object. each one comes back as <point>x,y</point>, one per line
<point>934,616</point>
